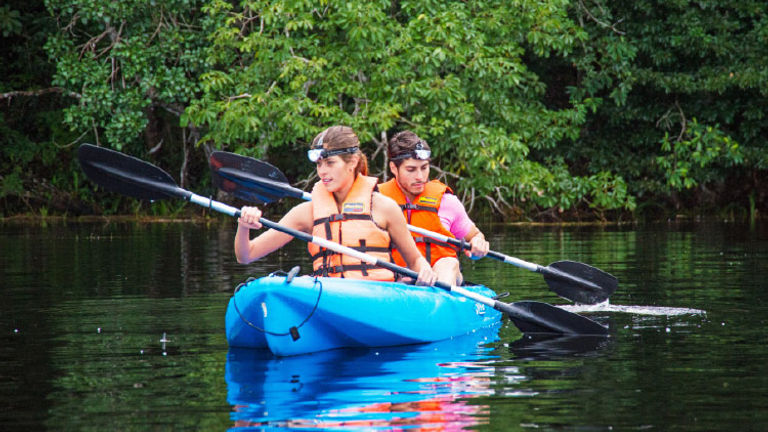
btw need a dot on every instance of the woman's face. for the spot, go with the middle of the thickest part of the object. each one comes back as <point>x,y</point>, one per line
<point>335,173</point>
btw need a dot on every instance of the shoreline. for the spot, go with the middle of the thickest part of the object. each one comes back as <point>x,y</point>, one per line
<point>24,219</point>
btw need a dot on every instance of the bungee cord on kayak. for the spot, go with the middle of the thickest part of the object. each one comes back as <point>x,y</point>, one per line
<point>293,330</point>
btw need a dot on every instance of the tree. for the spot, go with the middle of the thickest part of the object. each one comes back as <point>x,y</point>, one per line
<point>135,65</point>
<point>683,86</point>
<point>453,72</point>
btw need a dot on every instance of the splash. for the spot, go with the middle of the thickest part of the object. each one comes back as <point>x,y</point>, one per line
<point>606,306</point>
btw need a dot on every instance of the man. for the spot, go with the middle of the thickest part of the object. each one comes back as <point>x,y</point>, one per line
<point>429,205</point>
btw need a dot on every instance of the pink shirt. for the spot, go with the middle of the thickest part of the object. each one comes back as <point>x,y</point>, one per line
<point>453,216</point>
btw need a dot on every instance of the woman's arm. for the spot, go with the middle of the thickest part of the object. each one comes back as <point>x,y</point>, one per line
<point>388,215</point>
<point>248,250</point>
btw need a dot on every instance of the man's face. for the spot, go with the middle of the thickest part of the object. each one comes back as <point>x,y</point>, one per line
<point>412,175</point>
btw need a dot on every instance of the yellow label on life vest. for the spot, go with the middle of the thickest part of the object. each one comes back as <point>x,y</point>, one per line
<point>352,208</point>
<point>428,201</point>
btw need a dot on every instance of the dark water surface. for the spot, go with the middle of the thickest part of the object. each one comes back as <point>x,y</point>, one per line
<point>121,327</point>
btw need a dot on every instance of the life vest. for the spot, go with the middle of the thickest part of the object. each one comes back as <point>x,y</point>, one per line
<point>423,214</point>
<point>353,227</point>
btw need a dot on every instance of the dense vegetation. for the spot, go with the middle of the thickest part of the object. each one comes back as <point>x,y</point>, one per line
<point>535,110</point>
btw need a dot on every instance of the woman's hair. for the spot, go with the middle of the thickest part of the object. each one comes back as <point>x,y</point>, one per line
<point>338,137</point>
<point>403,142</point>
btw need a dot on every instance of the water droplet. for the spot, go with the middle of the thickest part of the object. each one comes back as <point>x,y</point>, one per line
<point>15,330</point>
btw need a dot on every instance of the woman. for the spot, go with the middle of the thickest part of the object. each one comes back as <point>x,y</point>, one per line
<point>346,209</point>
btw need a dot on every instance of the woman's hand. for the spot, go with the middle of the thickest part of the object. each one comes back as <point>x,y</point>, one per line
<point>249,217</point>
<point>427,276</point>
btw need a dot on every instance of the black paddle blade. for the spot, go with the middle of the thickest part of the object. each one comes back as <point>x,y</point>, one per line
<point>535,317</point>
<point>127,175</point>
<point>247,178</point>
<point>579,282</point>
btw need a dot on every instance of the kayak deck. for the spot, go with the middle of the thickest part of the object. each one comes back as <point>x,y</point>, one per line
<point>306,314</point>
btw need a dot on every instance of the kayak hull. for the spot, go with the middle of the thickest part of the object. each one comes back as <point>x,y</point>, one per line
<point>307,314</point>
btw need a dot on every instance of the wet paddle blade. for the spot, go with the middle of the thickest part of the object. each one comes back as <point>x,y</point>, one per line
<point>127,175</point>
<point>579,282</point>
<point>247,178</point>
<point>535,317</point>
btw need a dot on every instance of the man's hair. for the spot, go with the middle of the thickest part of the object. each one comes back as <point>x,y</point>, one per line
<point>403,142</point>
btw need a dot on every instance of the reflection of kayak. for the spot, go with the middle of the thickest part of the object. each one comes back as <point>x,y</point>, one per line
<point>305,314</point>
<point>392,385</point>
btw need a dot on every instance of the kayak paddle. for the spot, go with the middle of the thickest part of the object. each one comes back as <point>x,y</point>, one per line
<point>258,181</point>
<point>130,176</point>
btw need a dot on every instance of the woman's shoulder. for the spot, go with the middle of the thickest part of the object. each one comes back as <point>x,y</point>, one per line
<point>384,209</point>
<point>380,200</point>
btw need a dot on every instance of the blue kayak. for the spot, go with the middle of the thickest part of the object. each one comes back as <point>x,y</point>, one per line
<point>305,314</point>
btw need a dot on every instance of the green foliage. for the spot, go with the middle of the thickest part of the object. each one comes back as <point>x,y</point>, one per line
<point>654,66</point>
<point>532,107</point>
<point>689,161</point>
<point>10,22</point>
<point>125,59</point>
<point>453,72</point>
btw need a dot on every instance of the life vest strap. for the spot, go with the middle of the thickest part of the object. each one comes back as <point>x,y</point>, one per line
<point>363,249</point>
<point>428,241</point>
<point>411,206</point>
<point>340,217</point>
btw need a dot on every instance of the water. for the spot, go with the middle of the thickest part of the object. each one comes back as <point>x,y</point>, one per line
<point>120,326</point>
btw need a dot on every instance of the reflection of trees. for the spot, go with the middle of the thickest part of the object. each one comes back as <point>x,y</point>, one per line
<point>135,281</point>
<point>91,302</point>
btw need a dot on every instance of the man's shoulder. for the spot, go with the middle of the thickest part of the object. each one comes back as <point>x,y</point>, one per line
<point>451,200</point>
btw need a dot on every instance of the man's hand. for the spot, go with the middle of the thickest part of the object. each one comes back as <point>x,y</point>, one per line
<point>479,247</point>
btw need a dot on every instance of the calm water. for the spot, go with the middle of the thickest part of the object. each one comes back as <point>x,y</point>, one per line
<point>121,327</point>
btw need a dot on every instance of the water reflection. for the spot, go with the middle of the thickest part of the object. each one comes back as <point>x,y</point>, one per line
<point>85,307</point>
<point>548,347</point>
<point>429,384</point>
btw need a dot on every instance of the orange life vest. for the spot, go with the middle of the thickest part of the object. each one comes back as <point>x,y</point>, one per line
<point>352,227</point>
<point>423,214</point>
